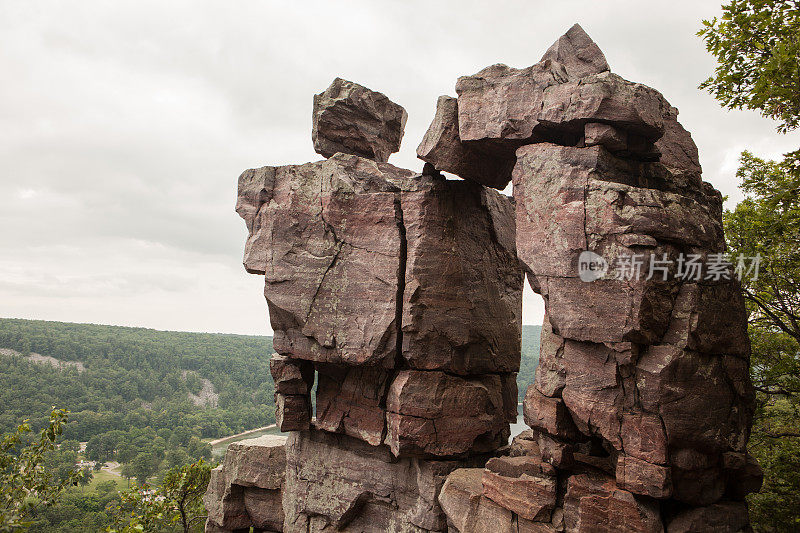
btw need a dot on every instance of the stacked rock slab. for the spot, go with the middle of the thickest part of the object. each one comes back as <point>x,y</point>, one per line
<point>246,489</point>
<point>399,294</point>
<point>642,403</point>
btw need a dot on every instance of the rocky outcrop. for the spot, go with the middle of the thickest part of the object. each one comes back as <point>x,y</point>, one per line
<point>399,294</point>
<point>246,489</point>
<point>642,403</point>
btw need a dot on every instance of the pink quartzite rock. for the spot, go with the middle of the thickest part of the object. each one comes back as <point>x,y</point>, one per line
<point>524,444</point>
<point>352,119</point>
<point>291,376</point>
<point>442,148</point>
<point>594,503</point>
<point>641,477</point>
<point>433,413</point>
<point>550,372</point>
<point>246,489</point>
<point>501,108</point>
<point>402,293</point>
<point>463,286</point>
<point>523,485</point>
<point>469,512</point>
<point>259,462</point>
<point>691,393</point>
<point>548,414</point>
<point>327,237</point>
<point>724,517</point>
<point>643,436</point>
<point>349,401</point>
<point>336,481</point>
<point>578,53</point>
<point>352,241</point>
<point>292,411</point>
<point>460,497</point>
<point>650,365</point>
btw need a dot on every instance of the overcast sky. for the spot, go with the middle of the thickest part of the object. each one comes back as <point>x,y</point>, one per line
<point>124,125</point>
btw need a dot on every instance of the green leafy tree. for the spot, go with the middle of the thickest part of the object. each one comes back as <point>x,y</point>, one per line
<point>87,474</point>
<point>25,483</point>
<point>757,48</point>
<point>768,225</point>
<point>176,503</point>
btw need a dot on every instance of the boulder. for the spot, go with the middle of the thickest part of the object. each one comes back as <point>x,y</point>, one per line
<point>291,376</point>
<point>460,497</point>
<point>258,462</point>
<point>643,437</point>
<point>330,240</point>
<point>246,490</point>
<point>692,395</point>
<point>724,517</point>
<point>523,485</point>
<point>292,411</point>
<point>442,148</point>
<point>352,243</point>
<point>462,301</point>
<point>352,119</point>
<point>593,392</point>
<point>349,401</point>
<point>265,509</point>
<point>524,444</point>
<point>641,477</point>
<point>434,413</point>
<point>548,414</point>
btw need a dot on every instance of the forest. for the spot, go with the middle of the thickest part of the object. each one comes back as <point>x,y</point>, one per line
<point>129,401</point>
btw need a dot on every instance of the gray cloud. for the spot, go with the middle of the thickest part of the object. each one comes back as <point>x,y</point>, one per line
<point>124,125</point>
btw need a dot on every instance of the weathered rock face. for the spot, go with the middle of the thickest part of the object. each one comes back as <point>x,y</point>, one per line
<point>335,482</point>
<point>442,148</point>
<point>433,413</point>
<point>346,243</point>
<point>245,491</point>
<point>400,294</point>
<point>352,119</point>
<point>642,392</point>
<point>579,54</point>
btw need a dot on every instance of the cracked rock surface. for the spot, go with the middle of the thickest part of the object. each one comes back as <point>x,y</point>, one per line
<point>397,295</point>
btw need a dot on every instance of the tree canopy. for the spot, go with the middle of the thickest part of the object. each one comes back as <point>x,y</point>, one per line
<point>757,46</point>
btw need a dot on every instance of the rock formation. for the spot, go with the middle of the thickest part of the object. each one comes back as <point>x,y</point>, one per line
<point>246,489</point>
<point>399,295</point>
<point>642,402</point>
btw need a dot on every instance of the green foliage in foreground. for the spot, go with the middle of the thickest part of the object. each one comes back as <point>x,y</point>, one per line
<point>769,225</point>
<point>176,505</point>
<point>26,483</point>
<point>757,47</point>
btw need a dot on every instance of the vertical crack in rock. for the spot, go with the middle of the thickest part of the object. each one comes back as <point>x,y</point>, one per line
<point>399,360</point>
<point>401,281</point>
